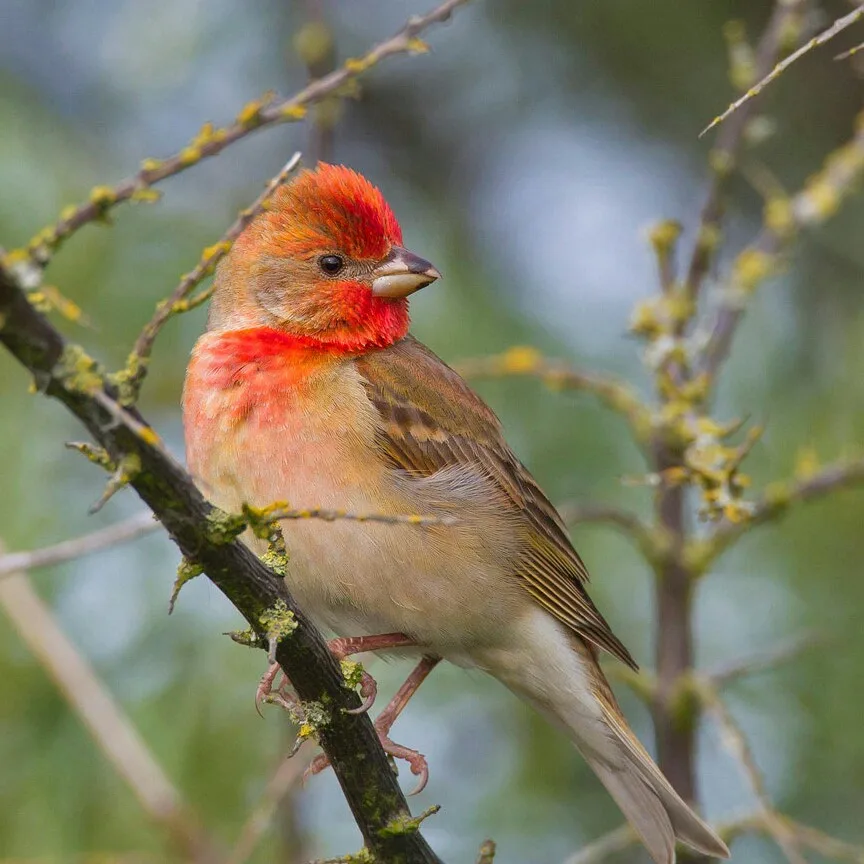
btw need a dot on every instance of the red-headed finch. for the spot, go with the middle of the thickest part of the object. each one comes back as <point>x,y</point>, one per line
<point>308,388</point>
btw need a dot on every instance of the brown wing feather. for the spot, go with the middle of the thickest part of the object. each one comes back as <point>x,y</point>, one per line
<point>430,420</point>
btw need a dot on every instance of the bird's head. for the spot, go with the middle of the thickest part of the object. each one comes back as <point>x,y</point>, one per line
<point>324,262</point>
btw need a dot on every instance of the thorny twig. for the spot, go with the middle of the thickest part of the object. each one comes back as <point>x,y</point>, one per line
<point>211,141</point>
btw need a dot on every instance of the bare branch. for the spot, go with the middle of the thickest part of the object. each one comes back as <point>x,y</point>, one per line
<point>68,550</point>
<point>839,25</point>
<point>129,380</point>
<point>814,204</point>
<point>763,662</point>
<point>558,375</point>
<point>724,154</point>
<point>211,141</point>
<point>287,776</point>
<point>109,727</point>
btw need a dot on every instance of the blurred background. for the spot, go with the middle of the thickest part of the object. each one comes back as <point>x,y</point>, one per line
<point>525,156</point>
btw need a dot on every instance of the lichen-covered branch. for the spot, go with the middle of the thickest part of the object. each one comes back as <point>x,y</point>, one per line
<point>783,25</point>
<point>67,374</point>
<point>522,360</point>
<point>210,141</point>
<point>776,500</point>
<point>820,199</point>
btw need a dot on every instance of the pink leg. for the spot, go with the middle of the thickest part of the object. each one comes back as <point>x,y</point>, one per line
<point>386,719</point>
<point>341,648</point>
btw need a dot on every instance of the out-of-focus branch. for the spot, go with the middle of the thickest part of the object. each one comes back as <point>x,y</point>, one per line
<point>315,45</point>
<point>487,853</point>
<point>130,379</point>
<point>78,547</point>
<point>558,375</point>
<point>628,523</point>
<point>738,746</point>
<point>771,659</point>
<point>724,154</point>
<point>826,35</point>
<point>208,538</point>
<point>211,141</point>
<point>110,728</point>
<point>820,198</point>
<point>287,776</point>
<point>776,500</point>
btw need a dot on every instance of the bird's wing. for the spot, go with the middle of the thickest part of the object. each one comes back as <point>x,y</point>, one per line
<point>431,420</point>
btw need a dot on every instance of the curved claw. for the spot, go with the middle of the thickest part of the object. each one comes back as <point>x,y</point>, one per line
<point>417,761</point>
<point>369,691</point>
<point>265,686</point>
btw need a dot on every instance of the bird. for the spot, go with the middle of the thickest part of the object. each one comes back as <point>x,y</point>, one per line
<point>308,387</point>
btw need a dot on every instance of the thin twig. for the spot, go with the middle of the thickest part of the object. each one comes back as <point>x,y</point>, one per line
<point>67,550</point>
<point>132,377</point>
<point>287,776</point>
<point>724,153</point>
<point>736,743</point>
<point>779,497</point>
<point>826,35</point>
<point>210,142</point>
<point>558,375</point>
<point>339,515</point>
<point>817,201</point>
<point>109,727</point>
<point>763,662</point>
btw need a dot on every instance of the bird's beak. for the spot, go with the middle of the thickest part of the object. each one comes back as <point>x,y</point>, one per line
<point>402,273</point>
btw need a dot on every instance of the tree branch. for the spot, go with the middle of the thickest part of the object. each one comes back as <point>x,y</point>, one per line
<point>66,373</point>
<point>212,141</point>
<point>109,727</point>
<point>132,377</point>
<point>558,375</point>
<point>78,547</point>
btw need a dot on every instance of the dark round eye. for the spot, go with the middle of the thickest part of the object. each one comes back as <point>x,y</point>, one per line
<point>331,264</point>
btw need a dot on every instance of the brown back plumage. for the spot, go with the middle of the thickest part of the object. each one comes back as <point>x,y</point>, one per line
<point>431,420</point>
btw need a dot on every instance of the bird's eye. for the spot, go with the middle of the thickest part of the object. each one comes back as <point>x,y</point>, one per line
<point>331,264</point>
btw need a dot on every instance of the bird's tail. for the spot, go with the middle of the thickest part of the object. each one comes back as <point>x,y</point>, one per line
<point>569,687</point>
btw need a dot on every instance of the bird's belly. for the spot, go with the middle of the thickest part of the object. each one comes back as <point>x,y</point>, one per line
<point>447,586</point>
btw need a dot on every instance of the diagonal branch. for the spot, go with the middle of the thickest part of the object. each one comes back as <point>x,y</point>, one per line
<point>724,154</point>
<point>78,547</point>
<point>132,377</point>
<point>66,373</point>
<point>522,360</point>
<point>826,35</point>
<point>110,728</point>
<point>210,142</point>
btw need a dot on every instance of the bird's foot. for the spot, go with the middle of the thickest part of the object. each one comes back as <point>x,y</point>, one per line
<point>384,722</point>
<point>341,649</point>
<point>416,760</point>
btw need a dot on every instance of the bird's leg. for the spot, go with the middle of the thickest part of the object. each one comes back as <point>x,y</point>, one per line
<point>340,648</point>
<point>386,719</point>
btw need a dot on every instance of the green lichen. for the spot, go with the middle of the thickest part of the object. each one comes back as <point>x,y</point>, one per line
<point>247,637</point>
<point>186,571</point>
<point>404,823</point>
<point>78,371</point>
<point>276,560</point>
<point>278,622</point>
<point>352,672</point>
<point>224,527</point>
